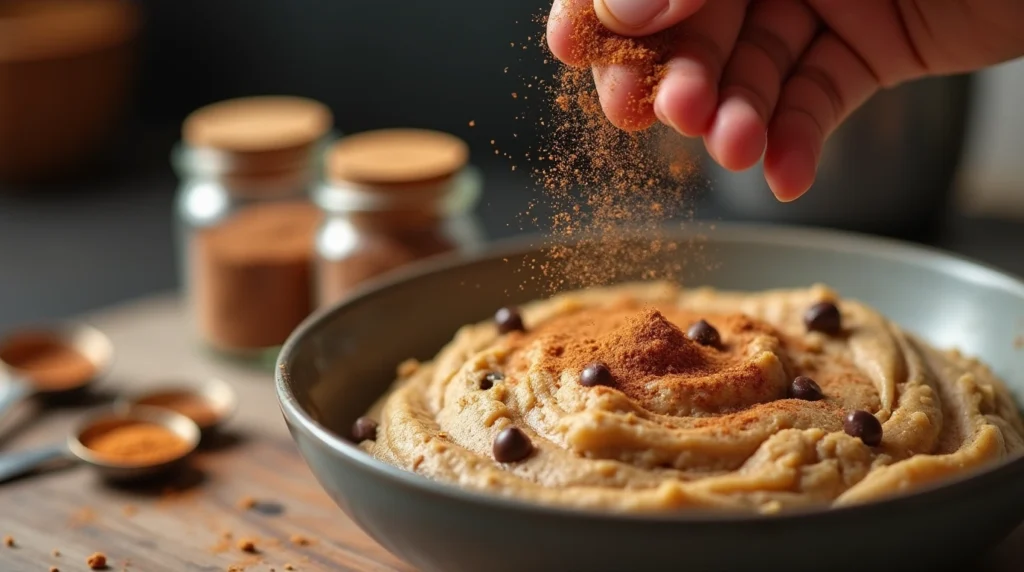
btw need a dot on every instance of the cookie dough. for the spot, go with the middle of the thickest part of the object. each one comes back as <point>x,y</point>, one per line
<point>622,399</point>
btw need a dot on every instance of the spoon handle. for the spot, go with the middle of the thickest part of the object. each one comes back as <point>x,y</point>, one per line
<point>14,391</point>
<point>16,464</point>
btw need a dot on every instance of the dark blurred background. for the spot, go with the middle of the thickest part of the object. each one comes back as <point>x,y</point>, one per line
<point>102,234</point>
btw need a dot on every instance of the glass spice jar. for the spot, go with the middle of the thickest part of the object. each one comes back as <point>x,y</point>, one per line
<point>245,221</point>
<point>391,197</point>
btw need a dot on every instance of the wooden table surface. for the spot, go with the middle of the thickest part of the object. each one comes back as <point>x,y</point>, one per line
<point>185,525</point>
<point>179,526</point>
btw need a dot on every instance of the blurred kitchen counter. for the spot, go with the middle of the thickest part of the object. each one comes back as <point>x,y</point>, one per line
<point>67,248</point>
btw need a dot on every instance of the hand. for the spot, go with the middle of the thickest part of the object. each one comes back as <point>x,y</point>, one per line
<point>777,77</point>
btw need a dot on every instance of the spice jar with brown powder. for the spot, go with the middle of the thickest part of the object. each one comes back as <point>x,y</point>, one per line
<point>246,222</point>
<point>392,196</point>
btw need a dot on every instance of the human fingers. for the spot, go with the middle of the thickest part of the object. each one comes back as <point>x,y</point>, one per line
<point>828,84</point>
<point>644,17</point>
<point>774,36</point>
<point>560,31</point>
<point>622,93</point>
<point>688,94</point>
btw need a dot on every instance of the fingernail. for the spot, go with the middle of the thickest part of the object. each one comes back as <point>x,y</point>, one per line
<point>635,13</point>
<point>659,112</point>
<point>794,165</point>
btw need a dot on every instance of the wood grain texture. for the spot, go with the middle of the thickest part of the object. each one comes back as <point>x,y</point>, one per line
<point>181,526</point>
<point>178,525</point>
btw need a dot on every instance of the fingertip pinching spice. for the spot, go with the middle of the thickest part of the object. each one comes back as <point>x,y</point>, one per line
<point>612,192</point>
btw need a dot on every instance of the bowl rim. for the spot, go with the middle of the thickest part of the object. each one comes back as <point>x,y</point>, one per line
<point>923,256</point>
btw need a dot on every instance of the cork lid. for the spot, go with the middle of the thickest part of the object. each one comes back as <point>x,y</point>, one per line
<point>45,29</point>
<point>258,124</point>
<point>397,157</point>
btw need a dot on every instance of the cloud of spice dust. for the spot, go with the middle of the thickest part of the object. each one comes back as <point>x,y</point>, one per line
<point>613,197</point>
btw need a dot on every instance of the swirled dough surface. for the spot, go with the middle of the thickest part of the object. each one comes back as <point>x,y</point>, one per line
<point>685,426</point>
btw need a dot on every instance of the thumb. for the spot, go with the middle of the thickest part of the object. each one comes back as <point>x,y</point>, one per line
<point>644,17</point>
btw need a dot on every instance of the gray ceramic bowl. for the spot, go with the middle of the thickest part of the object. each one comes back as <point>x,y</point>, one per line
<point>343,358</point>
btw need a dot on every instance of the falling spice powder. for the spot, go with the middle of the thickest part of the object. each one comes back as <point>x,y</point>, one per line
<point>610,192</point>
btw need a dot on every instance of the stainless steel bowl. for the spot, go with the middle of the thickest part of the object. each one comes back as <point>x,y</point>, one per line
<point>888,169</point>
<point>344,357</point>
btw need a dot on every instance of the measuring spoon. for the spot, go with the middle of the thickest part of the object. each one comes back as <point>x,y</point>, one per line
<point>17,383</point>
<point>210,402</point>
<point>74,448</point>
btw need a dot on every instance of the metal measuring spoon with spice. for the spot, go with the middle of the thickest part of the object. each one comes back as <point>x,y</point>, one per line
<point>207,402</point>
<point>123,446</point>
<point>51,362</point>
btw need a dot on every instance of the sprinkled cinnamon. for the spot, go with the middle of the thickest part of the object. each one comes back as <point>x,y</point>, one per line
<point>652,360</point>
<point>610,192</point>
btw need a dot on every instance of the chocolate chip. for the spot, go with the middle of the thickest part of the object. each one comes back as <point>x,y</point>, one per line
<point>364,429</point>
<point>865,426</point>
<point>803,387</point>
<point>823,317</point>
<point>596,374</point>
<point>704,334</point>
<point>509,320</point>
<point>511,445</point>
<point>490,379</point>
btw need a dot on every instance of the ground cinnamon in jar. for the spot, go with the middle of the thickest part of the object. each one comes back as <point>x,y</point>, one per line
<point>393,196</point>
<point>253,275</point>
<point>134,443</point>
<point>248,166</point>
<point>48,362</point>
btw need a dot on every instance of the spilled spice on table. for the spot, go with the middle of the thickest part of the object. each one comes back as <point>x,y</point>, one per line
<point>97,561</point>
<point>610,193</point>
